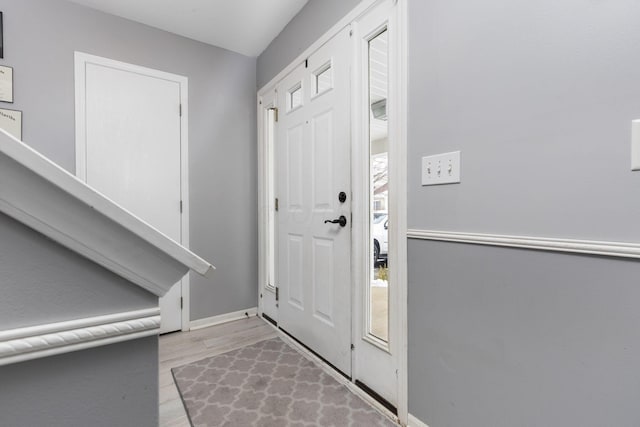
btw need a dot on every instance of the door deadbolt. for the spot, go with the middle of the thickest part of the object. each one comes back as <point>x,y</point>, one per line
<point>342,197</point>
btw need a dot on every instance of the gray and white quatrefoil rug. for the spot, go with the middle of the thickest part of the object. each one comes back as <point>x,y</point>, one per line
<point>269,384</point>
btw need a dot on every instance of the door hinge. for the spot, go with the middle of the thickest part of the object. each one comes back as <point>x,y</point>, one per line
<point>181,302</point>
<point>353,347</point>
<point>180,109</point>
<point>306,63</point>
<point>275,113</point>
<point>180,206</point>
<point>277,294</point>
<point>277,204</point>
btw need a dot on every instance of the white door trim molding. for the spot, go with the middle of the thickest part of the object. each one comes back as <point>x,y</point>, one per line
<point>33,342</point>
<point>400,177</point>
<point>81,61</point>
<point>267,303</point>
<point>592,247</point>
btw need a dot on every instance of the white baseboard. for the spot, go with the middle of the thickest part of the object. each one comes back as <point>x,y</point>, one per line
<point>414,422</point>
<point>223,318</point>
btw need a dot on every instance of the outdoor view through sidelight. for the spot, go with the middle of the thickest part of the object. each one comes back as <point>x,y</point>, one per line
<point>379,168</point>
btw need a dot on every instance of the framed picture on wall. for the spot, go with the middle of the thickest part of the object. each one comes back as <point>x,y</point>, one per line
<point>1,38</point>
<point>11,121</point>
<point>6,84</point>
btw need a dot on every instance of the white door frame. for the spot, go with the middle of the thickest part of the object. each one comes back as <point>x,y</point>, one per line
<point>81,61</point>
<point>398,150</point>
<point>373,354</point>
<point>266,207</point>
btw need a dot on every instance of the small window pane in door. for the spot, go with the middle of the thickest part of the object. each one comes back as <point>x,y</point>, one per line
<point>295,97</point>
<point>323,79</point>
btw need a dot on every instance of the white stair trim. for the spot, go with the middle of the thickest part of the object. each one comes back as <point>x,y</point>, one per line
<point>593,247</point>
<point>33,342</point>
<point>47,198</point>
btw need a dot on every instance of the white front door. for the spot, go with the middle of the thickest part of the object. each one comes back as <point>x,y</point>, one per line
<point>313,168</point>
<point>132,151</point>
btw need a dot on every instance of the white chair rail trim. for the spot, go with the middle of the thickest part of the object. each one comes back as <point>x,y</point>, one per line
<point>593,247</point>
<point>33,342</point>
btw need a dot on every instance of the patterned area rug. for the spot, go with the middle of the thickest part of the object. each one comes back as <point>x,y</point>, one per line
<point>269,384</point>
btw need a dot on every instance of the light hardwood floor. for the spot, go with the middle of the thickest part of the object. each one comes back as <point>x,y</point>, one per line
<point>180,348</point>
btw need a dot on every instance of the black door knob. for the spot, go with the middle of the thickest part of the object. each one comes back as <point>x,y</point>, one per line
<point>342,221</point>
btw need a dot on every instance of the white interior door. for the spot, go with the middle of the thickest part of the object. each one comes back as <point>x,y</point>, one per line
<point>132,151</point>
<point>313,167</point>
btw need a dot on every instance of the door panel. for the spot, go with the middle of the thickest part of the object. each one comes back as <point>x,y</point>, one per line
<point>312,168</point>
<point>133,153</point>
<point>295,147</point>
<point>322,136</point>
<point>322,280</point>
<point>296,277</point>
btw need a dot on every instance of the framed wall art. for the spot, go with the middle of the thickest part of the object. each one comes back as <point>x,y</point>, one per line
<point>1,38</point>
<point>11,121</point>
<point>6,84</point>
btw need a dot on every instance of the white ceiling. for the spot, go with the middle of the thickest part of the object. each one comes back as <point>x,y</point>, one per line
<point>243,26</point>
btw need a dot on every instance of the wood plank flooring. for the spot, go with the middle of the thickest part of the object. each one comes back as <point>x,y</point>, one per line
<point>181,348</point>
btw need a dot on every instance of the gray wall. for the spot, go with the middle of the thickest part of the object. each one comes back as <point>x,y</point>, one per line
<point>40,37</point>
<point>96,387</point>
<point>313,20</point>
<point>539,98</point>
<point>505,337</point>
<point>43,282</point>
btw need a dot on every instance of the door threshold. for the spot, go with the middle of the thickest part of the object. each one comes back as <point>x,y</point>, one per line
<point>339,376</point>
<point>381,400</point>
<point>270,320</point>
<point>324,361</point>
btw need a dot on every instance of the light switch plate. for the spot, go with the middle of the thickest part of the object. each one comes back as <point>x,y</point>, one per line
<point>441,169</point>
<point>635,145</point>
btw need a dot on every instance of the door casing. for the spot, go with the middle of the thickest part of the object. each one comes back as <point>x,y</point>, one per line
<point>81,60</point>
